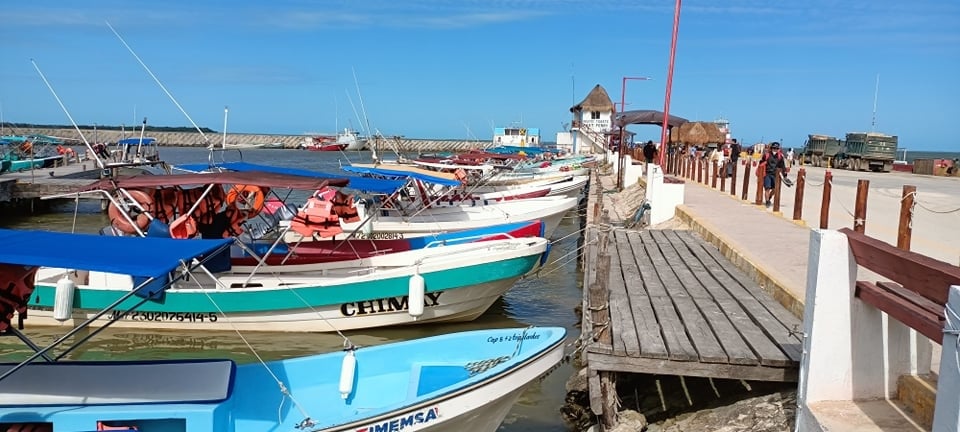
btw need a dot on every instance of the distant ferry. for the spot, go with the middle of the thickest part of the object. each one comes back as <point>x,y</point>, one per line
<point>516,136</point>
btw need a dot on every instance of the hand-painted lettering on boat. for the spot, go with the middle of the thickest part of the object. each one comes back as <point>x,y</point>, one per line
<point>164,316</point>
<point>399,423</point>
<point>389,304</point>
<point>380,236</point>
<point>514,337</point>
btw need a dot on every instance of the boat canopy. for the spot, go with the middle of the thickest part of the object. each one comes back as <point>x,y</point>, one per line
<point>364,184</point>
<point>135,256</point>
<point>137,141</point>
<point>252,178</point>
<point>404,172</point>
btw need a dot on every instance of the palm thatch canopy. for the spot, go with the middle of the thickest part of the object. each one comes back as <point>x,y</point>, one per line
<point>597,100</point>
<point>698,133</point>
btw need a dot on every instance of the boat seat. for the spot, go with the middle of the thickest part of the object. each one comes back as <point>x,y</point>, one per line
<point>111,383</point>
<point>429,377</point>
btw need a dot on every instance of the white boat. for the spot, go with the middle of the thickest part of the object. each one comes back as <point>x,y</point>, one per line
<point>444,283</point>
<point>570,186</point>
<point>440,219</point>
<point>352,139</point>
<point>447,383</point>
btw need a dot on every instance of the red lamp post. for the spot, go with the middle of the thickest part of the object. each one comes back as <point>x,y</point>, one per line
<point>666,99</point>
<point>622,147</point>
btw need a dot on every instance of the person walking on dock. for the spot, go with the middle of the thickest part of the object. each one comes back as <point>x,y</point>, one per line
<point>771,161</point>
<point>735,150</point>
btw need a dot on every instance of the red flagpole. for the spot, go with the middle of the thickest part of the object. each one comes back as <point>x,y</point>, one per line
<point>666,100</point>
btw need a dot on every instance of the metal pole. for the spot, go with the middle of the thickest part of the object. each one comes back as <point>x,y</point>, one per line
<point>666,99</point>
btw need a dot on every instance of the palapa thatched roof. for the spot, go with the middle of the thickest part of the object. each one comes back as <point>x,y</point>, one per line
<point>597,100</point>
<point>698,133</point>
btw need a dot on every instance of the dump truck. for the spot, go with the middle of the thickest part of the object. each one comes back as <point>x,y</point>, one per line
<point>868,151</point>
<point>820,148</point>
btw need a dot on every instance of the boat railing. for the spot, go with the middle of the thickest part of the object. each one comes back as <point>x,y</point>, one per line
<point>465,239</point>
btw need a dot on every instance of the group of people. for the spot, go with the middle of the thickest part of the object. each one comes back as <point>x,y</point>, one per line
<point>772,160</point>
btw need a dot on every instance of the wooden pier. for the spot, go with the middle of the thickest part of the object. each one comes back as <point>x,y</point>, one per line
<point>678,307</point>
<point>25,188</point>
<point>666,302</point>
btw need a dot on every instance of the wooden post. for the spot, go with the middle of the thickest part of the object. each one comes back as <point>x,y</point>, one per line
<point>777,179</point>
<point>825,201</point>
<point>713,182</point>
<point>746,180</point>
<point>601,330</point>
<point>905,231</point>
<point>723,176</point>
<point>699,170</point>
<point>733,178</point>
<point>798,194</point>
<point>760,197</point>
<point>860,207</point>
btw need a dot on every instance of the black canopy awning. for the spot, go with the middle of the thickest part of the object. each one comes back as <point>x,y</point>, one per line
<point>653,117</point>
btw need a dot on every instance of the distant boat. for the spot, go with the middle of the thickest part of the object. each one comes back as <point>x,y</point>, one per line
<point>516,136</point>
<point>323,143</point>
<point>351,139</point>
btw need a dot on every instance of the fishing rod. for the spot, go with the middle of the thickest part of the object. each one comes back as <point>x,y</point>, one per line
<point>204,136</point>
<point>64,108</point>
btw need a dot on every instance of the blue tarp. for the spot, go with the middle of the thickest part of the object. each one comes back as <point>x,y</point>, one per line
<point>136,141</point>
<point>364,184</point>
<point>402,174</point>
<point>135,256</point>
<point>516,149</point>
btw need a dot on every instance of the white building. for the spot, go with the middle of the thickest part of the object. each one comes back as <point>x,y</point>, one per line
<point>591,125</point>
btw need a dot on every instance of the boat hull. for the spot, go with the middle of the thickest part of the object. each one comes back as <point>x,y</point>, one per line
<point>465,381</point>
<point>550,210</point>
<point>460,283</point>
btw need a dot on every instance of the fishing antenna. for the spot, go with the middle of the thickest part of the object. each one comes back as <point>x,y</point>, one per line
<point>205,139</point>
<point>366,119</point>
<point>64,108</point>
<point>876,91</point>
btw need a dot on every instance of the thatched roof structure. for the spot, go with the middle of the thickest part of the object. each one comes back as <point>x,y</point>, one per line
<point>698,133</point>
<point>597,100</point>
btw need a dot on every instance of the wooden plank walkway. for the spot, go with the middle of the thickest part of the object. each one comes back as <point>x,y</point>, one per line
<point>675,306</point>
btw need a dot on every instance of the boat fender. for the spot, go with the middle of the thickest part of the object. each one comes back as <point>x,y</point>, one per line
<point>348,370</point>
<point>63,299</point>
<point>415,295</point>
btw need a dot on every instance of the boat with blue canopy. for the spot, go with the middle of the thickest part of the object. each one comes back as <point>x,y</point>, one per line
<point>453,382</point>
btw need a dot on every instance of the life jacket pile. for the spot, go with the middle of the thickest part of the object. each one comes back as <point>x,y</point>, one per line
<point>214,216</point>
<point>16,287</point>
<point>322,213</point>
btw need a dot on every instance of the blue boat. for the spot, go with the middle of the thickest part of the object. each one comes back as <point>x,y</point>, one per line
<point>454,382</point>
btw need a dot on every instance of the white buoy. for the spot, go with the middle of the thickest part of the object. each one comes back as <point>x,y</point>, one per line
<point>362,209</point>
<point>415,295</point>
<point>63,299</point>
<point>347,370</point>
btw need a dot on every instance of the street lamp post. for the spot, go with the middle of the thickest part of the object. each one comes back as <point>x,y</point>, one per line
<point>622,147</point>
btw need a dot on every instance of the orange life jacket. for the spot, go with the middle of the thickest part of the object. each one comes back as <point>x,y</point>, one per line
<point>16,287</point>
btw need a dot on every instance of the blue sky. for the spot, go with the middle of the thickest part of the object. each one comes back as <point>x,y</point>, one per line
<point>777,70</point>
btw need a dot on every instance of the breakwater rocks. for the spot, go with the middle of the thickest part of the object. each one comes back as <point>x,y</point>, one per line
<point>195,139</point>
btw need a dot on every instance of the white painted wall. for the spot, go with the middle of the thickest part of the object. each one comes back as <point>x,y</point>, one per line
<point>946,416</point>
<point>663,197</point>
<point>852,351</point>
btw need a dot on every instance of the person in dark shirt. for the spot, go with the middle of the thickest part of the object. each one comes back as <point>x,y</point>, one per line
<point>770,162</point>
<point>735,150</point>
<point>649,151</point>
